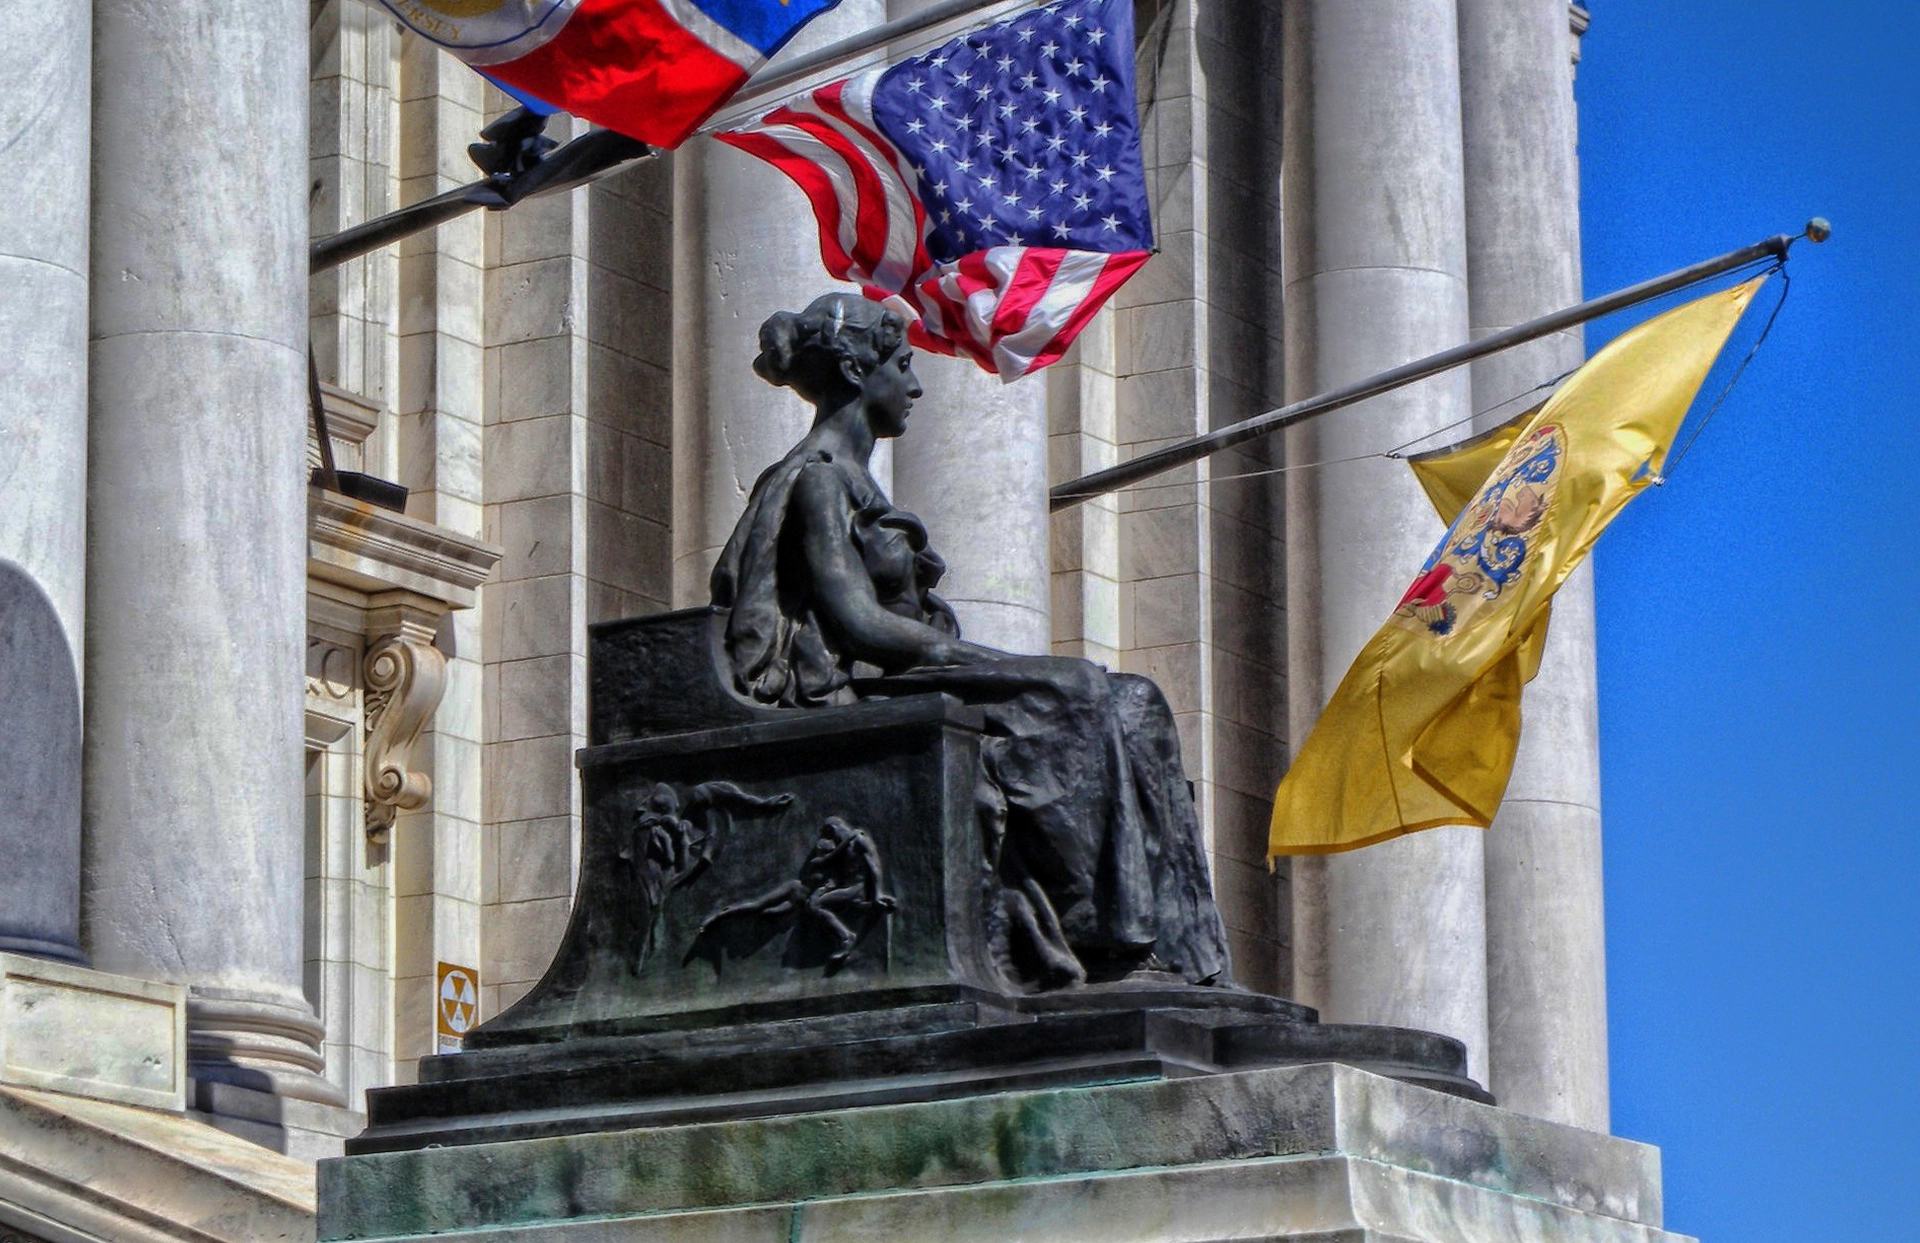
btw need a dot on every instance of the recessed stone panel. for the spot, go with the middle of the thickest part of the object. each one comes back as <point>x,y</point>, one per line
<point>88,1033</point>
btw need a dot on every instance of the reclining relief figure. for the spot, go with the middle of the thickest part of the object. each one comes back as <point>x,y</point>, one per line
<point>1086,814</point>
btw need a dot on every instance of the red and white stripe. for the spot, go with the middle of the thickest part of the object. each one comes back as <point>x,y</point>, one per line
<point>1012,309</point>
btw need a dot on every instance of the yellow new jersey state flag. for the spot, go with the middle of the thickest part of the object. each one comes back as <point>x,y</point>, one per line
<point>1422,730</point>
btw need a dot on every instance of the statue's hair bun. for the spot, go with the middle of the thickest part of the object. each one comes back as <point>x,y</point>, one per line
<point>780,337</point>
<point>803,350</point>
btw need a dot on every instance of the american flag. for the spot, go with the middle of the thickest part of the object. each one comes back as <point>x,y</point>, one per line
<point>991,187</point>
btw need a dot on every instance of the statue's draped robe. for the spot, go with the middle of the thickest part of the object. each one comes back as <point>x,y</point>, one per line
<point>1097,809</point>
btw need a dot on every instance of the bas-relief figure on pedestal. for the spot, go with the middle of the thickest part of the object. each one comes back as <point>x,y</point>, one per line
<point>1086,815</point>
<point>676,838</point>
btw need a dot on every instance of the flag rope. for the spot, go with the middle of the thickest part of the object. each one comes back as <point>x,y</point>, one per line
<point>1786,287</point>
<point>1392,455</point>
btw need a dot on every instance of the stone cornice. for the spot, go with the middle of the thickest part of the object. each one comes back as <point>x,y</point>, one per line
<point>373,550</point>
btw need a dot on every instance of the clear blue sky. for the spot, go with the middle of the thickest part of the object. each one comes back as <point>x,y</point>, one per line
<point>1759,618</point>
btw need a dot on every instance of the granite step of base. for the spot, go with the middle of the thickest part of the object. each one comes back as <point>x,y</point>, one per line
<point>887,1056</point>
<point>1305,1153</point>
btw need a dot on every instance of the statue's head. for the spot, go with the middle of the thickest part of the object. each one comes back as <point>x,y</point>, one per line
<point>841,347</point>
<point>663,801</point>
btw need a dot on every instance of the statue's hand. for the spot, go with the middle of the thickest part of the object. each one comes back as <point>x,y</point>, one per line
<point>955,652</point>
<point>947,651</point>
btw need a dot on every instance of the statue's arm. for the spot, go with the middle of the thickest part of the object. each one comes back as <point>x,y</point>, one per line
<point>843,593</point>
<point>717,793</point>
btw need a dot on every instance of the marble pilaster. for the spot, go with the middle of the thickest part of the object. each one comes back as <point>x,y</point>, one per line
<point>1178,579</point>
<point>351,161</point>
<point>745,246</point>
<point>1376,275</point>
<point>45,73</point>
<point>438,852</point>
<point>196,524</point>
<point>1546,934</point>
<point>539,315</point>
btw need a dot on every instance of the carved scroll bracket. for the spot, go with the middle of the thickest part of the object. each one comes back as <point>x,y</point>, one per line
<point>404,676</point>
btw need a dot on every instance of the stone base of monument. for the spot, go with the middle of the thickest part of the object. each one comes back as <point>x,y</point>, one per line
<point>1322,1152</point>
<point>915,1046</point>
<point>788,1006</point>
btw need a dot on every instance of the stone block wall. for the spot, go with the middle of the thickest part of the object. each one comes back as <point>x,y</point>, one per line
<point>629,482</point>
<point>534,611</point>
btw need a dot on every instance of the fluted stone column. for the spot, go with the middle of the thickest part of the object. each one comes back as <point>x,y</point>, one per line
<point>1376,275</point>
<point>1546,936</point>
<point>745,246</point>
<point>973,466</point>
<point>44,97</point>
<point>196,525</point>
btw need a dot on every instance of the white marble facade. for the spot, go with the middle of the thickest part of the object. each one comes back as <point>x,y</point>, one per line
<point>565,389</point>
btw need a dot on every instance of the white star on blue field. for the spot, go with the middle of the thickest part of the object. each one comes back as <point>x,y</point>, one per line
<point>1760,623</point>
<point>1024,134</point>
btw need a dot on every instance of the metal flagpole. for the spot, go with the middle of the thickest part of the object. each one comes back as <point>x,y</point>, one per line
<point>370,235</point>
<point>601,152</point>
<point>587,158</point>
<point>1074,491</point>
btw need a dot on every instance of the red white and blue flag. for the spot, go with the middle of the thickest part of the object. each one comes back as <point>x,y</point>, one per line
<point>992,187</point>
<point>651,69</point>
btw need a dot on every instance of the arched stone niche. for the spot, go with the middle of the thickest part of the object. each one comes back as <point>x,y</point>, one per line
<point>39,775</point>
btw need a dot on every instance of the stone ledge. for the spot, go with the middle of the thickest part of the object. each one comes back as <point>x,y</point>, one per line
<point>135,1033</point>
<point>81,1170</point>
<point>1428,1147</point>
<point>373,550</point>
<point>1317,1199</point>
<point>304,1130</point>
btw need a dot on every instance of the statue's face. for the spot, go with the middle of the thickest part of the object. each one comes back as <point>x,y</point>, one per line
<point>889,390</point>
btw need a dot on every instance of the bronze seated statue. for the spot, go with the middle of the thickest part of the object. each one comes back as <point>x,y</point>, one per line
<point>1086,815</point>
<point>1076,815</point>
<point>834,854</point>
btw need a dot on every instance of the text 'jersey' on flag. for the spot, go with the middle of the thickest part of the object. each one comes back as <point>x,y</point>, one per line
<point>991,189</point>
<point>1423,729</point>
<point>651,69</point>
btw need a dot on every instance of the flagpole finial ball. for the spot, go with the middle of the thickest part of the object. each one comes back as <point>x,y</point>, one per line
<point>1819,229</point>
